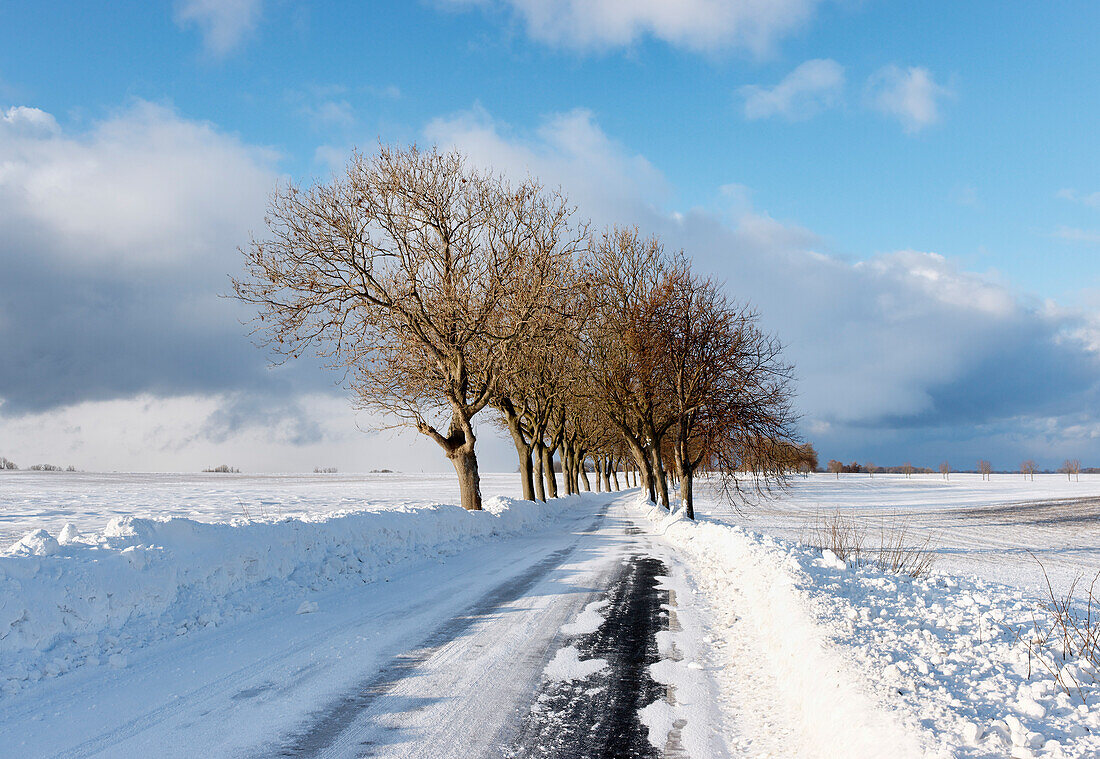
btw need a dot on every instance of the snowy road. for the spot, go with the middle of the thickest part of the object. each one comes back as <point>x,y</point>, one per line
<point>444,661</point>
<point>591,626</point>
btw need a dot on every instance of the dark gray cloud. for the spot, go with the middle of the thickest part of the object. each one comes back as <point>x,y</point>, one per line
<point>117,245</point>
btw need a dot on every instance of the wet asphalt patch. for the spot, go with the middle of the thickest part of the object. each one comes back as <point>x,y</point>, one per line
<point>597,717</point>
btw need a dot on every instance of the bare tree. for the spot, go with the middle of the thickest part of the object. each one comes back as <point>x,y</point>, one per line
<point>1028,469</point>
<point>1071,468</point>
<point>870,468</point>
<point>985,469</point>
<point>907,469</point>
<point>7,464</point>
<point>945,470</point>
<point>728,386</point>
<point>835,467</point>
<point>414,275</point>
<point>627,290</point>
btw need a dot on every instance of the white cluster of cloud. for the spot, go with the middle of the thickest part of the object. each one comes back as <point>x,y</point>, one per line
<point>568,150</point>
<point>223,23</point>
<point>21,121</point>
<point>701,25</point>
<point>912,96</point>
<point>118,240</point>
<point>810,88</point>
<point>1090,199</point>
<point>141,188</point>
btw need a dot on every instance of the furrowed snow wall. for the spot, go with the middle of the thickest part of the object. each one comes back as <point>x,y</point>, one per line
<point>76,600</point>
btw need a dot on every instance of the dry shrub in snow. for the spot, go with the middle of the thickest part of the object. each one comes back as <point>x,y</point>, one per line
<point>842,536</point>
<point>897,555</point>
<point>846,537</point>
<point>1066,640</point>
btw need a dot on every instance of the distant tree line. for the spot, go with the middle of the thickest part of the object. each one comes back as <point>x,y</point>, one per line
<point>446,295</point>
<point>7,465</point>
<point>1028,468</point>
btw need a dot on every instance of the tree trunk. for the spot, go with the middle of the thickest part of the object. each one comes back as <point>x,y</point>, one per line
<point>659,474</point>
<point>458,445</point>
<point>563,457</point>
<point>536,456</point>
<point>615,473</point>
<point>523,451</point>
<point>605,474</point>
<point>686,491</point>
<point>567,480</point>
<point>584,473</point>
<point>469,482</point>
<point>645,473</point>
<point>548,472</point>
<point>598,463</point>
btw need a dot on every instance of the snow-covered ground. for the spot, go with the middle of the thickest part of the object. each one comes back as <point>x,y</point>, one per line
<point>262,598</point>
<point>50,500</point>
<point>984,528</point>
<point>817,658</point>
<point>994,529</point>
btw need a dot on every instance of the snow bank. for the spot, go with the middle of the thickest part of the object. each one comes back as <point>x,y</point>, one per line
<point>820,692</point>
<point>953,652</point>
<point>936,665</point>
<point>79,600</point>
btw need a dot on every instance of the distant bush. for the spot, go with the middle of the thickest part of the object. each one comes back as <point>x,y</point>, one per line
<point>324,470</point>
<point>8,464</point>
<point>223,469</point>
<point>46,468</point>
<point>70,468</point>
<point>381,471</point>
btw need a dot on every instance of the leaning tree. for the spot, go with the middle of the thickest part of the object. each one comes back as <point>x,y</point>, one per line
<point>412,273</point>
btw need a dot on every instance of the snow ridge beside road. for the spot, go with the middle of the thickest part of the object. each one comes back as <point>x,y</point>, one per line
<point>80,600</point>
<point>846,660</point>
<point>764,624</point>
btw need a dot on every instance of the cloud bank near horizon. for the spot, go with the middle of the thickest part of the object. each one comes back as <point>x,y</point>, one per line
<point>125,233</point>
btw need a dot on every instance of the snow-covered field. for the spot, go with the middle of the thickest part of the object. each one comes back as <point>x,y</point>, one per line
<point>50,500</point>
<point>807,656</point>
<point>993,529</point>
<point>989,528</point>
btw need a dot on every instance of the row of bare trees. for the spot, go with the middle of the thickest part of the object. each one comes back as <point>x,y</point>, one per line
<point>1070,467</point>
<point>446,294</point>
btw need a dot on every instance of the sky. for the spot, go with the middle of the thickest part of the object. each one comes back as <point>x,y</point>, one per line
<point>909,193</point>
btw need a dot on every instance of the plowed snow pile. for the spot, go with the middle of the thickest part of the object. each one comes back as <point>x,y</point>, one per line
<point>860,660</point>
<point>76,599</point>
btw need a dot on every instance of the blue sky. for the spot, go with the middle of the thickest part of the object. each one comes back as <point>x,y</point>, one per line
<point>929,170</point>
